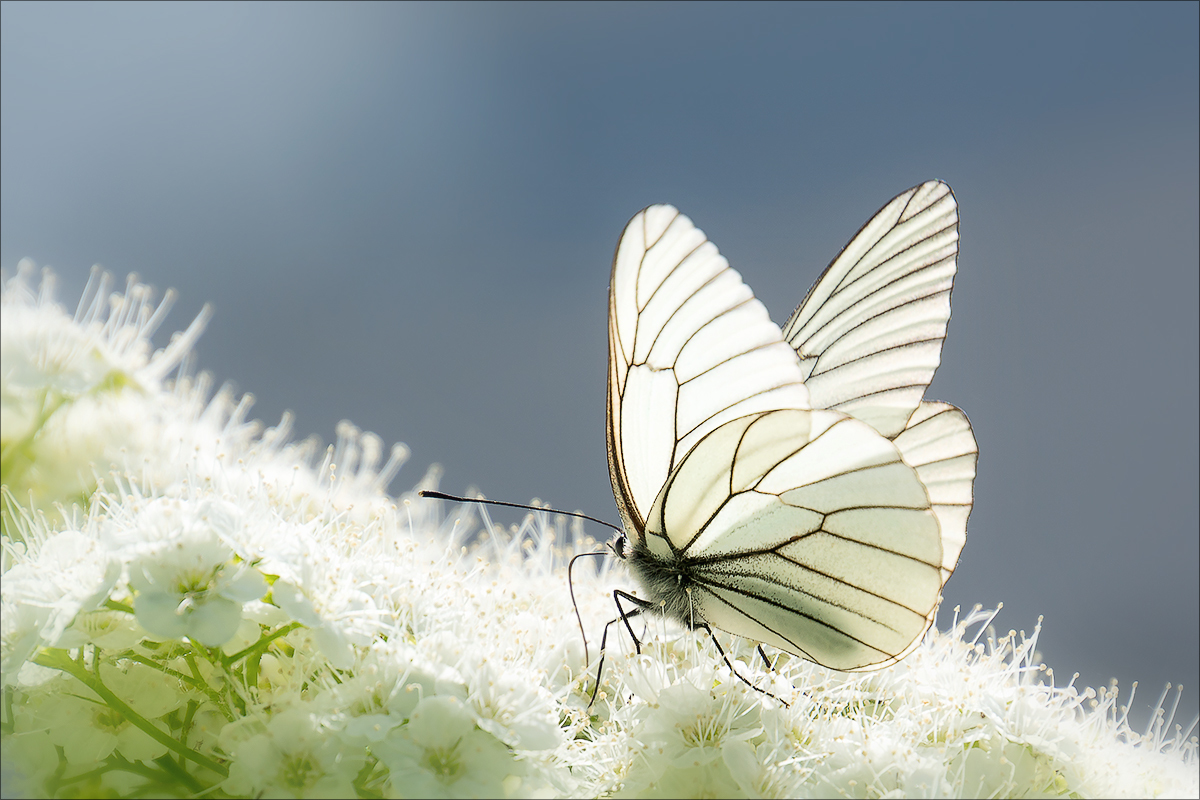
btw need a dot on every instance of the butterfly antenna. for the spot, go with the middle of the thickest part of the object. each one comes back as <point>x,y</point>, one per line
<point>480,500</point>
<point>571,588</point>
<point>570,583</point>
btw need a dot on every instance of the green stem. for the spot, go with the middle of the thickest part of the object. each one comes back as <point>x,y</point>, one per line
<point>261,644</point>
<point>60,660</point>
<point>8,725</point>
<point>196,683</point>
<point>8,455</point>
<point>114,605</point>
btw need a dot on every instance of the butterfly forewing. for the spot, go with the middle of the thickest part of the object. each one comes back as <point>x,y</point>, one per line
<point>869,334</point>
<point>689,349</point>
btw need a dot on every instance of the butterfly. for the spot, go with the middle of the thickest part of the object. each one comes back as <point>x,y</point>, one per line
<point>791,486</point>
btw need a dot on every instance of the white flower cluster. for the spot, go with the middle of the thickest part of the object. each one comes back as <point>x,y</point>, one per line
<point>191,607</point>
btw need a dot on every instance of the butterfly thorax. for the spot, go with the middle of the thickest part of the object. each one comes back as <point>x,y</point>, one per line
<point>666,582</point>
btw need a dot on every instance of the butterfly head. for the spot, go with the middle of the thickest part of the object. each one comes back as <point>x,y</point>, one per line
<point>619,546</point>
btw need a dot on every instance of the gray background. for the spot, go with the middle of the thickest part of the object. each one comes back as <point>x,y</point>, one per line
<point>405,216</point>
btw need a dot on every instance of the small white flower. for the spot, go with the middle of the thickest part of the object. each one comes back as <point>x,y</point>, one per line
<point>109,630</point>
<point>517,712</point>
<point>76,393</point>
<point>403,652</point>
<point>186,580</point>
<point>389,682</point>
<point>694,742</point>
<point>289,756</point>
<point>317,586</point>
<point>88,731</point>
<point>441,753</point>
<point>69,572</point>
<point>691,725</point>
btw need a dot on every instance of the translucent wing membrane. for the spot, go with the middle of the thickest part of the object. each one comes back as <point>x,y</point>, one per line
<point>869,334</point>
<point>805,530</point>
<point>791,486</point>
<point>689,349</point>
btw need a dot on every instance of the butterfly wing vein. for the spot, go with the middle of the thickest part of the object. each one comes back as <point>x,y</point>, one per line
<point>795,481</point>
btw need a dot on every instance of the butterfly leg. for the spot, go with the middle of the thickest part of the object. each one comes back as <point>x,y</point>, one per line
<point>767,661</point>
<point>640,607</point>
<point>729,663</point>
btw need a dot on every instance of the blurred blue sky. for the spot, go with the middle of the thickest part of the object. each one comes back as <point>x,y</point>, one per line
<point>405,216</point>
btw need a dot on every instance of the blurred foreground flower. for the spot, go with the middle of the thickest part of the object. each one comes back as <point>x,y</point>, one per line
<point>192,605</point>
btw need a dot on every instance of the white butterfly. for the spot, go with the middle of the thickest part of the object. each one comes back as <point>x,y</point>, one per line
<point>790,487</point>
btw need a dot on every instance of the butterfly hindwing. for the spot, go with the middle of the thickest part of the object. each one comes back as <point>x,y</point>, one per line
<point>804,530</point>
